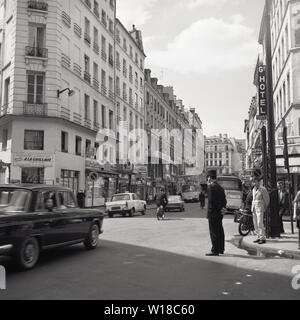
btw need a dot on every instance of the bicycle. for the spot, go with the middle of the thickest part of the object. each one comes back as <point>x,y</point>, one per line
<point>160,213</point>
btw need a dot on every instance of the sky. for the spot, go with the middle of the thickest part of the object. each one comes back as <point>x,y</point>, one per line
<point>206,49</point>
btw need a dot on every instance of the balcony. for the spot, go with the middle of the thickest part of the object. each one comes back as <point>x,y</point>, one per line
<point>131,101</point>
<point>35,109</point>
<point>65,113</point>
<point>96,48</point>
<point>38,5</point>
<point>77,69</point>
<point>96,83</point>
<point>87,123</point>
<point>36,52</point>
<point>118,92</point>
<point>77,118</point>
<point>118,65</point>
<point>103,89</point>
<point>87,38</point>
<point>65,61</point>
<point>87,77</point>
<point>124,96</point>
<point>77,30</point>
<point>96,126</point>
<point>4,110</point>
<point>66,19</point>
<point>103,55</point>
<point>110,94</point>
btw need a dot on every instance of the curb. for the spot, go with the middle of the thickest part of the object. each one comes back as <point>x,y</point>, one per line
<point>268,251</point>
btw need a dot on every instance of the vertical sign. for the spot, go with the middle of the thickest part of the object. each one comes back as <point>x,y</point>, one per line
<point>262,90</point>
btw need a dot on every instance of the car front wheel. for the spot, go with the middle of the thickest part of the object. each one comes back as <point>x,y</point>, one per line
<point>92,239</point>
<point>27,254</point>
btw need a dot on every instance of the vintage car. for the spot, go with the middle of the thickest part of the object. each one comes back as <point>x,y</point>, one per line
<point>125,203</point>
<point>175,203</point>
<point>34,218</point>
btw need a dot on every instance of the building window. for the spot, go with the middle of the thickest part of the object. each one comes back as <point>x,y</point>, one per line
<point>36,41</point>
<point>88,145</point>
<point>35,88</point>
<point>33,175</point>
<point>78,144</point>
<point>86,107</point>
<point>111,120</point>
<point>64,141</point>
<point>103,116</point>
<point>33,140</point>
<point>96,115</point>
<point>4,139</point>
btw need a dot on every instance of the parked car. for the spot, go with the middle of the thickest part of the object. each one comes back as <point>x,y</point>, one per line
<point>125,204</point>
<point>35,218</point>
<point>175,203</point>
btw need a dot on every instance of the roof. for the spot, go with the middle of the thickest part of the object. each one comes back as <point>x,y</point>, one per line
<point>32,186</point>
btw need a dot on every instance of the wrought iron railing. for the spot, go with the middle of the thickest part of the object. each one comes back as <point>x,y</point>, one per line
<point>35,109</point>
<point>38,5</point>
<point>36,52</point>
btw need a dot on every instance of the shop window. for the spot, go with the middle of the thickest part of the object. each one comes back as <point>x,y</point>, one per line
<point>33,175</point>
<point>70,179</point>
<point>33,140</point>
<point>4,139</point>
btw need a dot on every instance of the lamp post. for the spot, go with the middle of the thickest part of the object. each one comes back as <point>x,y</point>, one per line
<point>274,205</point>
<point>70,92</point>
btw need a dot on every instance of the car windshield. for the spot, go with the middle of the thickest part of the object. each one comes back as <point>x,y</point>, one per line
<point>120,197</point>
<point>174,199</point>
<point>188,188</point>
<point>230,184</point>
<point>14,200</point>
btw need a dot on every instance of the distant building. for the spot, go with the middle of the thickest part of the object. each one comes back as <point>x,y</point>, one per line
<point>224,155</point>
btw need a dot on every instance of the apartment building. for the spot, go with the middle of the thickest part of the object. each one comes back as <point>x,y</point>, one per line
<point>285,30</point>
<point>57,92</point>
<point>223,155</point>
<point>130,60</point>
<point>164,114</point>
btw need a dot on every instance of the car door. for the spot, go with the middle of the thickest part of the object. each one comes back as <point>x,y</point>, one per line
<point>75,219</point>
<point>48,222</point>
<point>137,202</point>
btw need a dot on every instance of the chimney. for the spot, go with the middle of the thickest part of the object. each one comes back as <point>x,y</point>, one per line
<point>148,75</point>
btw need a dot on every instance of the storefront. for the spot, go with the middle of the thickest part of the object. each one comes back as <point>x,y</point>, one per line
<point>33,167</point>
<point>101,183</point>
<point>70,179</point>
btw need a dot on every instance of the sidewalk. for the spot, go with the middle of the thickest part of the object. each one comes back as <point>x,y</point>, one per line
<point>287,246</point>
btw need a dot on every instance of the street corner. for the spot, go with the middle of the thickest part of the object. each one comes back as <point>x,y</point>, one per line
<point>284,247</point>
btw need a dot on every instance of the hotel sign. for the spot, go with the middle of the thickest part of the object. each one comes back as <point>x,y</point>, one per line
<point>33,161</point>
<point>262,91</point>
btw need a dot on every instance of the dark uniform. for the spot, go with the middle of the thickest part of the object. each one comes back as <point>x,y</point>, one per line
<point>216,202</point>
<point>284,207</point>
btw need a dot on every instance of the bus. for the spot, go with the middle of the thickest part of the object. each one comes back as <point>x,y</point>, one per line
<point>190,193</point>
<point>233,191</point>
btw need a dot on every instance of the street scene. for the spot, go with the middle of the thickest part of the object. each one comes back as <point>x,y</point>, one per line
<point>149,150</point>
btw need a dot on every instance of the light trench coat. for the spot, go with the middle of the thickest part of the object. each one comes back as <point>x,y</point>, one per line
<point>260,197</point>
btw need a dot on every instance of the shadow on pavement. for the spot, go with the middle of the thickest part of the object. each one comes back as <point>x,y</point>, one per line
<point>117,271</point>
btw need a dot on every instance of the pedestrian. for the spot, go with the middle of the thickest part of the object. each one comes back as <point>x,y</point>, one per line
<point>283,198</point>
<point>202,199</point>
<point>216,203</point>
<point>297,209</point>
<point>260,204</point>
<point>81,199</point>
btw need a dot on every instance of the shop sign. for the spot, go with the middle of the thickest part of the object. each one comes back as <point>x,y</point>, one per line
<point>262,90</point>
<point>33,161</point>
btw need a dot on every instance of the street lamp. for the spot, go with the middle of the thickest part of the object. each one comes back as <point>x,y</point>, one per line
<point>70,92</point>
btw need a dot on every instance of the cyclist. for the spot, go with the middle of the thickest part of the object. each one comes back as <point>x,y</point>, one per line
<point>161,201</point>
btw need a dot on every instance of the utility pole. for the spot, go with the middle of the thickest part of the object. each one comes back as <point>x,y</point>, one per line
<point>274,205</point>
